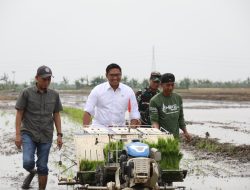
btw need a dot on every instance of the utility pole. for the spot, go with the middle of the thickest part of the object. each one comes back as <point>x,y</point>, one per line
<point>153,60</point>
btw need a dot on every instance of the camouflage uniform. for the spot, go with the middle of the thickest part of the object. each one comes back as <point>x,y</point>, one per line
<point>143,99</point>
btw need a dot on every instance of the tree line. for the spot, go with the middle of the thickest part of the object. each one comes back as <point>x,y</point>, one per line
<point>6,83</point>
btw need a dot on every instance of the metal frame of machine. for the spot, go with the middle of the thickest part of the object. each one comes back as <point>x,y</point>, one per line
<point>128,170</point>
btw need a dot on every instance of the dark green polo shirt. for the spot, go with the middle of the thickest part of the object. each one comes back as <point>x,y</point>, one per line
<point>168,112</point>
<point>38,112</point>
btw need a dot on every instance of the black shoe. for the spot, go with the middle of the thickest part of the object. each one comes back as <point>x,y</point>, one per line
<point>28,179</point>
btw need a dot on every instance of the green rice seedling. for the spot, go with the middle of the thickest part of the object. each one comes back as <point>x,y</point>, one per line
<point>207,145</point>
<point>74,113</point>
<point>89,165</point>
<point>170,152</point>
<point>111,147</point>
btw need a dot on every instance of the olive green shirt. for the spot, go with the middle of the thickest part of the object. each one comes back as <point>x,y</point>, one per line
<point>38,110</point>
<point>167,111</point>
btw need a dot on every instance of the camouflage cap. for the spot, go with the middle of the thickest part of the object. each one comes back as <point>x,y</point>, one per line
<point>155,76</point>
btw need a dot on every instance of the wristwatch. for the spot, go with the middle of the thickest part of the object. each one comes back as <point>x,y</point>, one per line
<point>60,134</point>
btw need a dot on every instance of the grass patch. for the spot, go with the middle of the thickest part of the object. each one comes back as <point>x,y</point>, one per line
<point>208,146</point>
<point>74,114</point>
<point>170,153</point>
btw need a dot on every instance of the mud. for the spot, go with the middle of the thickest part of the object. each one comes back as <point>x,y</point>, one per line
<point>220,94</point>
<point>226,167</point>
<point>211,147</point>
<point>11,172</point>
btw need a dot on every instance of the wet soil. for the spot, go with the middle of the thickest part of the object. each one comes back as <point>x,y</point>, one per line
<point>211,164</point>
<point>11,172</point>
<point>223,94</point>
<point>211,147</point>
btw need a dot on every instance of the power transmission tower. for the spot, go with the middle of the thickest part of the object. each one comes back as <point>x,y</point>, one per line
<point>153,68</point>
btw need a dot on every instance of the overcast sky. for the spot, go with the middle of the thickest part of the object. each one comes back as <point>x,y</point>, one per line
<point>197,39</point>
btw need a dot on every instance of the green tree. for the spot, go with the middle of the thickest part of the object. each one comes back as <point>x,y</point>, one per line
<point>125,80</point>
<point>185,83</point>
<point>133,83</point>
<point>144,83</point>
<point>77,84</point>
<point>97,80</point>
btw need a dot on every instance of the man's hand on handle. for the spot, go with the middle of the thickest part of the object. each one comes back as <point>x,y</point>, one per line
<point>86,119</point>
<point>155,125</point>
<point>134,123</point>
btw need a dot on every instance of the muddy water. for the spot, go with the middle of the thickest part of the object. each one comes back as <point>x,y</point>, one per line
<point>211,172</point>
<point>76,101</point>
<point>226,121</point>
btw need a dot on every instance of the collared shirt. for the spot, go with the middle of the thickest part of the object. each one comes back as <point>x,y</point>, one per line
<point>109,107</point>
<point>38,110</point>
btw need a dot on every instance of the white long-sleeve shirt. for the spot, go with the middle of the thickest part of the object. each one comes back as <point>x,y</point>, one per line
<point>108,106</point>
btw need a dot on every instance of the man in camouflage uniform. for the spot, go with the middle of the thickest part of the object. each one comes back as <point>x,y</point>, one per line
<point>144,96</point>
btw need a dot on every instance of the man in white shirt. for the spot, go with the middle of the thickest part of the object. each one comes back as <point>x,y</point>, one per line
<point>109,101</point>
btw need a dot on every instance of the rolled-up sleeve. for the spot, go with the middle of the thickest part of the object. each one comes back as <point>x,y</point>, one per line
<point>91,102</point>
<point>153,111</point>
<point>58,106</point>
<point>22,100</point>
<point>181,120</point>
<point>134,114</point>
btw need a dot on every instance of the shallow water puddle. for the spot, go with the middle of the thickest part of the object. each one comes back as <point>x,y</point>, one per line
<point>216,173</point>
<point>227,121</point>
<point>204,173</point>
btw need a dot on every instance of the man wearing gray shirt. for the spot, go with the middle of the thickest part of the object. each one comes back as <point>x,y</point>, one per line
<point>38,108</point>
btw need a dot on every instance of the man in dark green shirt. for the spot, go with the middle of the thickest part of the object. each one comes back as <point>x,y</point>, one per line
<point>144,96</point>
<point>38,108</point>
<point>166,108</point>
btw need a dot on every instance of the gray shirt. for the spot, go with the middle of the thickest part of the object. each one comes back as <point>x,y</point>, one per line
<point>38,112</point>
